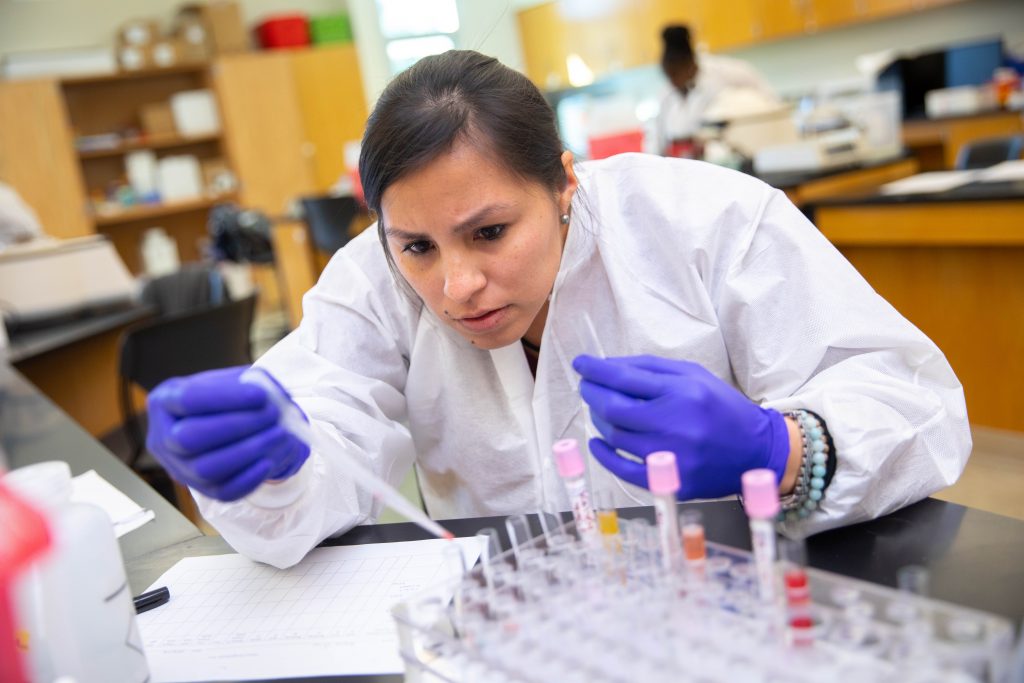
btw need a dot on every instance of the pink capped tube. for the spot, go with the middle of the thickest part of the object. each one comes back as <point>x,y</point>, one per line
<point>663,482</point>
<point>761,501</point>
<point>571,468</point>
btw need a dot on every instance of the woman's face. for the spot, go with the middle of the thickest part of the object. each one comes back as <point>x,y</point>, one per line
<point>479,245</point>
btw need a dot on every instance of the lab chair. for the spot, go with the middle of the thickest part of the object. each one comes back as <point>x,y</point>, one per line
<point>180,343</point>
<point>989,152</point>
<point>328,220</point>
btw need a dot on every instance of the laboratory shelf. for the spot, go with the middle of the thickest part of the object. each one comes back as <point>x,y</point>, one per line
<point>147,211</point>
<point>149,142</point>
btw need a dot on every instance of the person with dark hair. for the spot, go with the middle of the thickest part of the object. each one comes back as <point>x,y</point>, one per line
<point>516,298</point>
<point>699,82</point>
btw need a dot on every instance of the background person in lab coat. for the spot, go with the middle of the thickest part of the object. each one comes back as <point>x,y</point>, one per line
<point>695,303</point>
<point>698,83</point>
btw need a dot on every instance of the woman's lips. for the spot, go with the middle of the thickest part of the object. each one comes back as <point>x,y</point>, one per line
<point>485,322</point>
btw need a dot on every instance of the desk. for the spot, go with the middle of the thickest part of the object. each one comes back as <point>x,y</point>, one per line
<point>809,186</point>
<point>951,263</point>
<point>975,557</point>
<point>937,142</point>
<point>75,364</point>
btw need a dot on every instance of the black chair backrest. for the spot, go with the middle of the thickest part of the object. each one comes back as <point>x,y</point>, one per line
<point>181,344</point>
<point>989,152</point>
<point>194,286</point>
<point>329,219</point>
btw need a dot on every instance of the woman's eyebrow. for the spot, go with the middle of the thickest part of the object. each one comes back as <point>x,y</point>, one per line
<point>473,221</point>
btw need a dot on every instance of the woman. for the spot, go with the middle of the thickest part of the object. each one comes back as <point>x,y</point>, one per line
<point>700,82</point>
<point>503,276</point>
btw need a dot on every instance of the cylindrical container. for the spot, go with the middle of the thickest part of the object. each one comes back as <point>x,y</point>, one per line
<point>76,607</point>
<point>694,546</point>
<point>799,617</point>
<point>569,462</point>
<point>663,482</point>
<point>159,253</point>
<point>761,500</point>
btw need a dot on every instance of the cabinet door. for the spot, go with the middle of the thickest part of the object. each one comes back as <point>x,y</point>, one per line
<point>784,18</point>
<point>830,13</point>
<point>263,129</point>
<point>37,156</point>
<point>725,25</point>
<point>543,35</point>
<point>332,106</point>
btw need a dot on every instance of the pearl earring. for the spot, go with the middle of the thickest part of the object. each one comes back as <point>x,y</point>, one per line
<point>564,218</point>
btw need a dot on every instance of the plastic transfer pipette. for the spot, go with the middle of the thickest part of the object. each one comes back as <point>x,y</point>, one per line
<point>293,421</point>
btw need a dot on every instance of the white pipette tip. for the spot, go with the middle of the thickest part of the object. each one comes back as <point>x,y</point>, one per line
<point>295,422</point>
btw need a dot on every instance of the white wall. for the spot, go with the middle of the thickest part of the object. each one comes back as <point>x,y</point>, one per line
<point>55,24</point>
<point>799,64</point>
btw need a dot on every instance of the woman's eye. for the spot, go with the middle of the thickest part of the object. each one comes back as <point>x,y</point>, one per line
<point>420,247</point>
<point>491,232</point>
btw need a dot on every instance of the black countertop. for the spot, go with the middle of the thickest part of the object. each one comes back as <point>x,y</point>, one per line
<point>976,558</point>
<point>971,192</point>
<point>35,342</point>
<point>32,429</point>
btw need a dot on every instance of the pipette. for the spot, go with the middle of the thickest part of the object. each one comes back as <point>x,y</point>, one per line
<point>293,421</point>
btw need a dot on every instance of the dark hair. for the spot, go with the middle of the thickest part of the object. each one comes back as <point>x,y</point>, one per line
<point>458,95</point>
<point>678,49</point>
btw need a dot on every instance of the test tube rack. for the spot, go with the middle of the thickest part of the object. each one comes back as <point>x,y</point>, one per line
<point>559,608</point>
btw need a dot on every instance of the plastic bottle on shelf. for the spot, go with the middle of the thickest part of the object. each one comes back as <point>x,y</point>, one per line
<point>159,253</point>
<point>76,615</point>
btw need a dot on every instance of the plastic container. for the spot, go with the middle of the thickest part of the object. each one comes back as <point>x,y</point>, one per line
<point>330,28</point>
<point>26,537</point>
<point>604,146</point>
<point>159,253</point>
<point>75,607</point>
<point>284,30</point>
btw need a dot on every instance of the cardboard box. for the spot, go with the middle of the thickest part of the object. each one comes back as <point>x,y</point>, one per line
<point>157,119</point>
<point>138,33</point>
<point>223,22</point>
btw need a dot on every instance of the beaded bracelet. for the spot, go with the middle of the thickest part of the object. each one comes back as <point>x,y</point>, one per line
<point>817,466</point>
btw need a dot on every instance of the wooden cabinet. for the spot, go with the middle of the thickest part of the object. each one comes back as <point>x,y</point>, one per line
<point>630,34</point>
<point>331,106</point>
<point>263,127</point>
<point>544,33</point>
<point>37,156</point>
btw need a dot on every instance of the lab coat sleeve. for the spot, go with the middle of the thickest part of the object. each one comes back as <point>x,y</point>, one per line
<point>805,330</point>
<point>345,367</point>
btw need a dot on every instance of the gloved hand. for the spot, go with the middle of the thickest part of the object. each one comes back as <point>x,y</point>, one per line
<point>643,404</point>
<point>220,435</point>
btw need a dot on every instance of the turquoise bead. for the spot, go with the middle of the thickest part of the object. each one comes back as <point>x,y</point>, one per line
<point>815,494</point>
<point>817,483</point>
<point>803,513</point>
<point>819,458</point>
<point>810,504</point>
<point>815,433</point>
<point>818,470</point>
<point>817,445</point>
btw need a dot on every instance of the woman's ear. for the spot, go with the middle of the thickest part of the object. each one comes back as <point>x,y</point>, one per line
<point>571,183</point>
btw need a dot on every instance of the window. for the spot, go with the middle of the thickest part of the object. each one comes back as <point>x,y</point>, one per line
<point>413,29</point>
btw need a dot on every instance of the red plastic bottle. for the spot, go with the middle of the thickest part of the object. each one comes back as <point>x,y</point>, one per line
<point>26,535</point>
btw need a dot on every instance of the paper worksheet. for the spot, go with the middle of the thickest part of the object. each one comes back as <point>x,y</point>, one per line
<point>125,514</point>
<point>231,618</point>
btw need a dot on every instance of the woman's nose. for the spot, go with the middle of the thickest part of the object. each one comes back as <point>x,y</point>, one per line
<point>462,279</point>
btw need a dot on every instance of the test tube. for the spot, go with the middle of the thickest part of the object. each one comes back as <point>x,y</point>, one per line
<point>799,619</point>
<point>571,469</point>
<point>663,482</point>
<point>491,548</point>
<point>695,550</point>
<point>761,500</point>
<point>608,520</point>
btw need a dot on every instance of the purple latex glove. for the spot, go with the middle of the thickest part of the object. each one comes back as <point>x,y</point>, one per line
<point>643,404</point>
<point>219,435</point>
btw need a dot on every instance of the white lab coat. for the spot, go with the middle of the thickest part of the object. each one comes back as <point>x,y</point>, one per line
<point>681,117</point>
<point>674,258</point>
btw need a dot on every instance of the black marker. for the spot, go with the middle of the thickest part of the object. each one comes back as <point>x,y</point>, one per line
<point>154,598</point>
